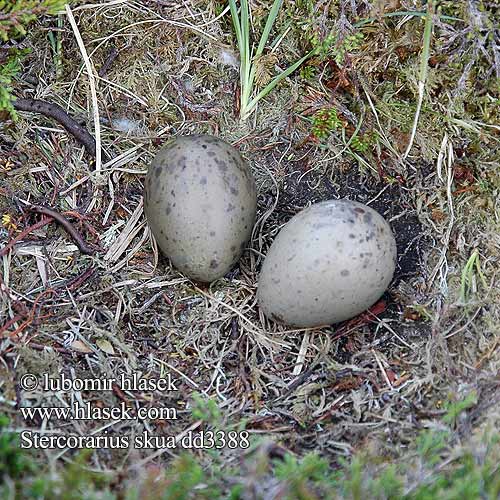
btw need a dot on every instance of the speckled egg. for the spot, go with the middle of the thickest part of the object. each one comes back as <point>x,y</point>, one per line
<point>200,202</point>
<point>329,263</point>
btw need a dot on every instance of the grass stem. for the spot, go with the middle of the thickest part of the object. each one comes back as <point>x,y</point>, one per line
<point>423,70</point>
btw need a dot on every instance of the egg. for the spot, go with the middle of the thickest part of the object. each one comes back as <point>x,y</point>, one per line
<point>329,263</point>
<point>200,203</point>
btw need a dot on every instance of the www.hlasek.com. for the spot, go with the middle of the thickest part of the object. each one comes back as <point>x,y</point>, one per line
<point>86,411</point>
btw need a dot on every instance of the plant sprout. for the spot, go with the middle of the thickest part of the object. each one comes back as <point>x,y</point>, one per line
<point>241,22</point>
<point>468,276</point>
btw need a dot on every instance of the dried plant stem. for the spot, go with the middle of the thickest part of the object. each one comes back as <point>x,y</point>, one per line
<point>93,91</point>
<point>423,70</point>
<point>20,236</point>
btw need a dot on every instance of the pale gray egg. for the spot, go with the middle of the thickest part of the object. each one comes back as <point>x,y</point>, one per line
<point>329,263</point>
<point>200,202</point>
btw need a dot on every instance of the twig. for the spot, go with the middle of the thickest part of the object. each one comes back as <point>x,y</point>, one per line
<point>368,316</point>
<point>296,382</point>
<point>79,280</point>
<point>119,393</point>
<point>79,132</point>
<point>113,54</point>
<point>21,235</point>
<point>41,347</point>
<point>30,316</point>
<point>10,322</point>
<point>68,227</point>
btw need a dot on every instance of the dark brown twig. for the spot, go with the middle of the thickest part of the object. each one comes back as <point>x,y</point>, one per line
<point>21,235</point>
<point>113,54</point>
<point>56,112</point>
<point>41,347</point>
<point>119,393</point>
<point>76,282</point>
<point>68,227</point>
<point>29,317</point>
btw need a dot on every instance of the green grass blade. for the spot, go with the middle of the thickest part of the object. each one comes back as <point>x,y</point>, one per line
<point>427,40</point>
<point>480,274</point>
<point>464,282</point>
<point>355,133</point>
<point>413,13</point>
<point>468,274</point>
<point>270,86</point>
<point>241,27</point>
<point>273,14</point>
<point>247,68</point>
<point>239,38</point>
<point>246,59</point>
<point>236,23</point>
<point>245,29</point>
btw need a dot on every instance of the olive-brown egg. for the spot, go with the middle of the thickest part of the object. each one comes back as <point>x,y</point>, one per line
<point>329,263</point>
<point>200,203</point>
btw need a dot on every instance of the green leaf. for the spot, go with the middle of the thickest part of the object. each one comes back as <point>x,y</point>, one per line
<point>270,86</point>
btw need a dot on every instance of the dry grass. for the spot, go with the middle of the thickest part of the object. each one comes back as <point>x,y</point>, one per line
<point>126,310</point>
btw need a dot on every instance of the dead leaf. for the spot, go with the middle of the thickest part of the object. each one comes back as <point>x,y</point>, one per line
<point>41,264</point>
<point>80,346</point>
<point>105,345</point>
